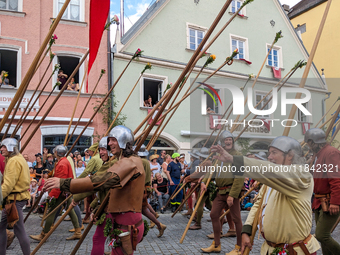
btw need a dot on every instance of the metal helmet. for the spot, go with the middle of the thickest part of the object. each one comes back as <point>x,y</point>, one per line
<point>103,143</point>
<point>204,152</point>
<point>286,144</point>
<point>193,153</point>
<point>143,152</point>
<point>10,144</point>
<point>261,155</point>
<point>61,150</point>
<point>123,135</point>
<point>317,135</point>
<point>225,134</point>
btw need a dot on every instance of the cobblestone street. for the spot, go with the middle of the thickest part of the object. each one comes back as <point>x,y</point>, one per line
<point>168,244</point>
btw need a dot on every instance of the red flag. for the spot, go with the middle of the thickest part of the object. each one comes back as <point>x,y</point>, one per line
<point>248,62</point>
<point>266,123</point>
<point>99,10</point>
<point>277,72</point>
<point>305,127</point>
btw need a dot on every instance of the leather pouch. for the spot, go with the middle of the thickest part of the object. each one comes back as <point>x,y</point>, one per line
<point>12,212</point>
<point>125,239</point>
<point>324,204</point>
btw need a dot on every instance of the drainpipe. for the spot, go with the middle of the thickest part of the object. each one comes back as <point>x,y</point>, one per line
<point>109,65</point>
<point>121,18</point>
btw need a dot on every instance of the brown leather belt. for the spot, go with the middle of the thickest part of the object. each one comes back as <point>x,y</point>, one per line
<point>301,244</point>
<point>133,229</point>
<point>328,196</point>
<point>224,188</point>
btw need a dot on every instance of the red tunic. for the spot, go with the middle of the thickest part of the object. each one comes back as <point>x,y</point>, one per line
<point>2,164</point>
<point>63,169</point>
<point>327,182</point>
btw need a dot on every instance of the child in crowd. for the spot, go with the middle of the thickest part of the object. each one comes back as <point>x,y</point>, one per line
<point>33,191</point>
<point>32,174</point>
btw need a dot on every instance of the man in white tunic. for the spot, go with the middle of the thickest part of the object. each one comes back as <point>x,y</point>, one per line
<point>287,217</point>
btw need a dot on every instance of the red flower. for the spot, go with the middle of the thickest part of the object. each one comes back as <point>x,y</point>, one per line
<point>55,37</point>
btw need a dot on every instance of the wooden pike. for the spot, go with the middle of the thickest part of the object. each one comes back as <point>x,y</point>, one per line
<point>177,192</point>
<point>336,131</point>
<point>192,62</point>
<point>89,226</point>
<point>84,109</point>
<point>317,124</point>
<point>100,105</point>
<point>185,200</point>
<point>174,192</point>
<point>22,118</point>
<point>43,218</point>
<point>243,197</point>
<point>330,127</point>
<point>256,221</point>
<point>309,64</point>
<point>32,68</point>
<point>257,76</point>
<point>56,208</point>
<point>47,235</point>
<point>75,108</point>
<point>195,210</point>
<point>55,100</point>
<point>34,206</point>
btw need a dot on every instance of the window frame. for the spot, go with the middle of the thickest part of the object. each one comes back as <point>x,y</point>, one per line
<point>19,61</point>
<point>279,50</point>
<point>81,11</point>
<point>263,93</point>
<point>204,101</point>
<point>196,28</point>
<point>149,76</point>
<point>242,12</point>
<point>300,113</point>
<point>20,4</point>
<point>246,45</point>
<point>81,68</point>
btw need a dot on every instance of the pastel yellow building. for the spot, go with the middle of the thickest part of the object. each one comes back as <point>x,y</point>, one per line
<point>306,17</point>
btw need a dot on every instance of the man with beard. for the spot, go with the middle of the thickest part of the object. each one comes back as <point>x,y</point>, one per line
<point>125,181</point>
<point>174,176</point>
<point>326,189</point>
<point>285,215</point>
<point>49,162</point>
<point>63,169</point>
<point>229,189</point>
<point>14,188</point>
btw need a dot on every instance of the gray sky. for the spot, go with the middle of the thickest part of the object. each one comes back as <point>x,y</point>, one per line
<point>291,3</point>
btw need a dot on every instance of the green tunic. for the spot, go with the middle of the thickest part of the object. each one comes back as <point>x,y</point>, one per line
<point>93,166</point>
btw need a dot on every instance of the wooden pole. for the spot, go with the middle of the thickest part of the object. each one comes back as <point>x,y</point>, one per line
<point>45,211</point>
<point>256,220</point>
<point>55,100</point>
<point>100,105</point>
<point>56,208</point>
<point>121,108</point>
<point>34,206</point>
<point>336,131</point>
<point>257,77</point>
<point>243,197</point>
<point>185,199</point>
<point>30,71</point>
<point>195,210</point>
<point>192,62</point>
<point>21,120</point>
<point>89,226</point>
<point>82,113</point>
<point>317,124</point>
<point>47,235</point>
<point>330,127</point>
<point>309,64</point>
<point>74,109</point>
<point>178,191</point>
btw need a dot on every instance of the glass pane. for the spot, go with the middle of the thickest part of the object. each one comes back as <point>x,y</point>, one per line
<point>275,52</point>
<point>192,40</point>
<point>276,64</point>
<point>275,58</point>
<point>233,9</point>
<point>199,41</point>
<point>2,4</point>
<point>238,5</point>
<point>270,62</point>
<point>234,43</point>
<point>75,2</point>
<point>75,12</point>
<point>240,56</point>
<point>192,32</point>
<point>258,98</point>
<point>192,46</point>
<point>13,5</point>
<point>199,34</point>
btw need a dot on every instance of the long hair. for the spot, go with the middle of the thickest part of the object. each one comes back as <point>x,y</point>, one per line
<point>297,159</point>
<point>128,151</point>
